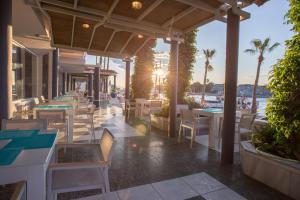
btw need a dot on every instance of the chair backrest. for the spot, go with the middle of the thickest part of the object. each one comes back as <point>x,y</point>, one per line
<point>155,103</point>
<point>130,104</point>
<point>186,115</point>
<point>24,124</point>
<point>36,101</point>
<point>52,116</point>
<point>247,120</point>
<point>107,142</point>
<point>198,118</point>
<point>181,106</point>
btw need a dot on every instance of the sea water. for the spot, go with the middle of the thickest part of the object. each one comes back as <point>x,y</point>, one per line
<point>261,109</point>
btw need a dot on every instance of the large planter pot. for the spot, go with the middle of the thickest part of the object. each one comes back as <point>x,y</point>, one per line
<point>162,123</point>
<point>278,173</point>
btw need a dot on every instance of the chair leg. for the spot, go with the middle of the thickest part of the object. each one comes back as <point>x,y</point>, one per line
<point>107,189</point>
<point>193,132</point>
<point>179,135</point>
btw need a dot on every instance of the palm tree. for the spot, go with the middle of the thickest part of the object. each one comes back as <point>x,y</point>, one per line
<point>259,47</point>
<point>209,54</point>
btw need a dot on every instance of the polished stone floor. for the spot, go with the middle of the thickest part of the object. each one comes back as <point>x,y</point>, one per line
<point>142,158</point>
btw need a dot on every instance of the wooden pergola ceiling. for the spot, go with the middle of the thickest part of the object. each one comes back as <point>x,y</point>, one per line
<point>114,26</point>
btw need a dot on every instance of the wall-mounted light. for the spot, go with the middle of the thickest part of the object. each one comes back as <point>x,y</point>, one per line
<point>85,26</point>
<point>136,5</point>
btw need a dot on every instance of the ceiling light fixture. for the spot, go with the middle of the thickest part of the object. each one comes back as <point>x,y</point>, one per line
<point>140,36</point>
<point>86,26</point>
<point>136,5</point>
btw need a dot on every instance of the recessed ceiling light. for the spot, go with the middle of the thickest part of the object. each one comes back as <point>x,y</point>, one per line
<point>140,36</point>
<point>136,5</point>
<point>86,26</point>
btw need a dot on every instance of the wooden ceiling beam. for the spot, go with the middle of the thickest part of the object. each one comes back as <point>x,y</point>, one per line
<point>140,18</point>
<point>109,41</point>
<point>126,43</point>
<point>100,23</point>
<point>94,14</point>
<point>206,7</point>
<point>179,16</point>
<point>144,43</point>
<point>149,10</point>
<point>73,25</point>
<point>94,51</point>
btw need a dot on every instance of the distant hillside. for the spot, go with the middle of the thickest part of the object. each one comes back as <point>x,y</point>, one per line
<point>244,90</point>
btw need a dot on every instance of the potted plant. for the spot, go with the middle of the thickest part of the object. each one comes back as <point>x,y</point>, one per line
<point>113,93</point>
<point>273,154</point>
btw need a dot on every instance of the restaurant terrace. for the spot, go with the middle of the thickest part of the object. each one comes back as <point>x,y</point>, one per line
<point>64,136</point>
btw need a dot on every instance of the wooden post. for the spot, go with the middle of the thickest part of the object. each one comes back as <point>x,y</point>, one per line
<point>115,81</point>
<point>68,82</point>
<point>5,59</point>
<point>55,73</point>
<point>231,73</point>
<point>64,83</point>
<point>127,78</point>
<point>173,84</point>
<point>97,87</point>
<point>90,87</point>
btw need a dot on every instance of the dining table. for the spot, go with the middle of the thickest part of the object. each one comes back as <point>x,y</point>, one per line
<point>25,156</point>
<point>215,122</point>
<point>70,111</point>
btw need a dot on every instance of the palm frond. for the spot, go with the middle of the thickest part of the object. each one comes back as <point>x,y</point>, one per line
<point>265,44</point>
<point>210,68</point>
<point>256,43</point>
<point>274,46</point>
<point>212,53</point>
<point>251,51</point>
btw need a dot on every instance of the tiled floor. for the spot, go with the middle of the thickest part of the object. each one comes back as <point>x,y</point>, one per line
<point>151,159</point>
<point>199,185</point>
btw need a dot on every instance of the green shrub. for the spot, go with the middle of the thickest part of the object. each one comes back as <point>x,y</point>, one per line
<point>265,140</point>
<point>283,109</point>
<point>164,112</point>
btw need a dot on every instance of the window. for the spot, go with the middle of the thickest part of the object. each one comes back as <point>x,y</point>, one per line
<point>17,82</point>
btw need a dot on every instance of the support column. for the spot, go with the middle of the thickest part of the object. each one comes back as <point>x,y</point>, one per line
<point>55,73</point>
<point>73,83</point>
<point>115,81</point>
<point>64,83</point>
<point>106,85</point>
<point>231,72</point>
<point>90,87</point>
<point>68,83</point>
<point>127,78</point>
<point>97,87</point>
<point>5,59</point>
<point>173,78</point>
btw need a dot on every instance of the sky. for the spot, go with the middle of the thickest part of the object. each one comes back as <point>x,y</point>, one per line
<point>266,21</point>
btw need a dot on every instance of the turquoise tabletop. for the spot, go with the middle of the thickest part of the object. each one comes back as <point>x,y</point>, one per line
<point>213,110</point>
<point>55,106</point>
<point>33,142</point>
<point>7,156</point>
<point>11,134</point>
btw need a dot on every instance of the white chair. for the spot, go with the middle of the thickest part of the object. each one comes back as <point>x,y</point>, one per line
<point>24,124</point>
<point>86,116</point>
<point>243,128</point>
<point>130,107</point>
<point>55,119</point>
<point>191,119</point>
<point>84,167</point>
